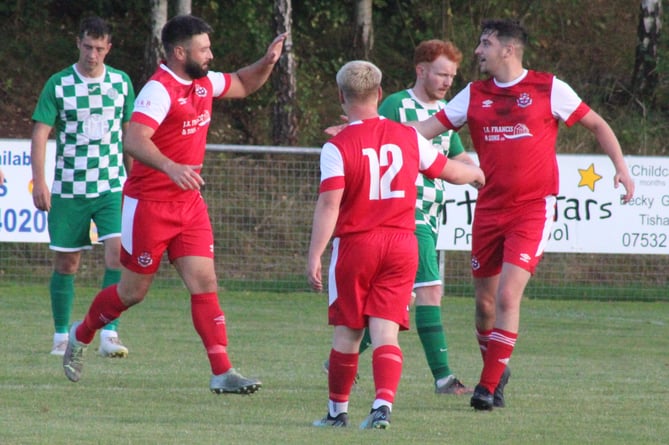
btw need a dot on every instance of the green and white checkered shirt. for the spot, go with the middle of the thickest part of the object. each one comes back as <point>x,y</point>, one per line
<point>404,106</point>
<point>88,115</point>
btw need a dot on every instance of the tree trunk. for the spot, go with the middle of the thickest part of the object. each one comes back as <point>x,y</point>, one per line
<point>154,48</point>
<point>645,77</point>
<point>183,7</point>
<point>363,40</point>
<point>284,111</point>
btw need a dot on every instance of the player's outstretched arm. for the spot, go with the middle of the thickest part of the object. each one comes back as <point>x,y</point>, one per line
<point>457,172</point>
<point>336,129</point>
<point>249,79</point>
<point>429,128</point>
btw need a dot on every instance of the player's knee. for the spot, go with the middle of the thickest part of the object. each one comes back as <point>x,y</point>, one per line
<point>485,306</point>
<point>428,296</point>
<point>66,264</point>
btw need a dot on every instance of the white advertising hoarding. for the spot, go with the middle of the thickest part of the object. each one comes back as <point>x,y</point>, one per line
<point>20,221</point>
<point>590,216</point>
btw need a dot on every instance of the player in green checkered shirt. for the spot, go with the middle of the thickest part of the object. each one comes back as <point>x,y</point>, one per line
<point>89,104</point>
<point>436,63</point>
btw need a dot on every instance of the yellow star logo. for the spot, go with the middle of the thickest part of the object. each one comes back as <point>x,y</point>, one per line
<point>588,177</point>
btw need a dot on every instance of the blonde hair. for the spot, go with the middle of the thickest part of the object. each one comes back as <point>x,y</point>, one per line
<point>359,80</point>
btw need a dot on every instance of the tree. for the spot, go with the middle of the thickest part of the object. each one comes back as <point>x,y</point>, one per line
<point>363,41</point>
<point>284,122</point>
<point>183,7</point>
<point>645,77</point>
<point>154,53</point>
<point>154,49</point>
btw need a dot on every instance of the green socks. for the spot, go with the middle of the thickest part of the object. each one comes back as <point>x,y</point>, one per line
<point>112,276</point>
<point>61,289</point>
<point>432,336</point>
<point>366,342</point>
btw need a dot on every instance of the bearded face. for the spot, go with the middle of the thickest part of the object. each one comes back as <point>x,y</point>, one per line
<point>198,56</point>
<point>194,69</point>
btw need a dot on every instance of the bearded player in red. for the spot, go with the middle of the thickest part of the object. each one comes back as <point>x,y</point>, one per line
<point>163,210</point>
<point>513,119</point>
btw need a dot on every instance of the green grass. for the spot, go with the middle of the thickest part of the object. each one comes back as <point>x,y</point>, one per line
<point>583,372</point>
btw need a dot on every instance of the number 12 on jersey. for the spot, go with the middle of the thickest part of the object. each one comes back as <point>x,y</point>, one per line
<point>380,185</point>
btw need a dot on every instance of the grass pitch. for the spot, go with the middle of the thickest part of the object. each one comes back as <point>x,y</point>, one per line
<point>583,372</point>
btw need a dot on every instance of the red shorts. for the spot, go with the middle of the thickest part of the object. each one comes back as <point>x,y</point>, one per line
<point>517,236</point>
<point>151,227</point>
<point>372,275</point>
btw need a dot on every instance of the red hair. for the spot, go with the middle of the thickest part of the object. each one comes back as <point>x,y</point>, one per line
<point>429,50</point>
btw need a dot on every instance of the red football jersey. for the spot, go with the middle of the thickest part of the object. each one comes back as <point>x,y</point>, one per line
<point>514,128</point>
<point>180,112</point>
<point>376,162</point>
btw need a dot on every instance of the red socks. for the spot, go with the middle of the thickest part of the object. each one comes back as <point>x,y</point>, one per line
<point>105,308</point>
<point>208,319</point>
<point>341,375</point>
<point>209,322</point>
<point>387,369</point>
<point>483,337</point>
<point>500,348</point>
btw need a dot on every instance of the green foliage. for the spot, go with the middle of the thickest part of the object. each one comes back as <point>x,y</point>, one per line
<point>591,45</point>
